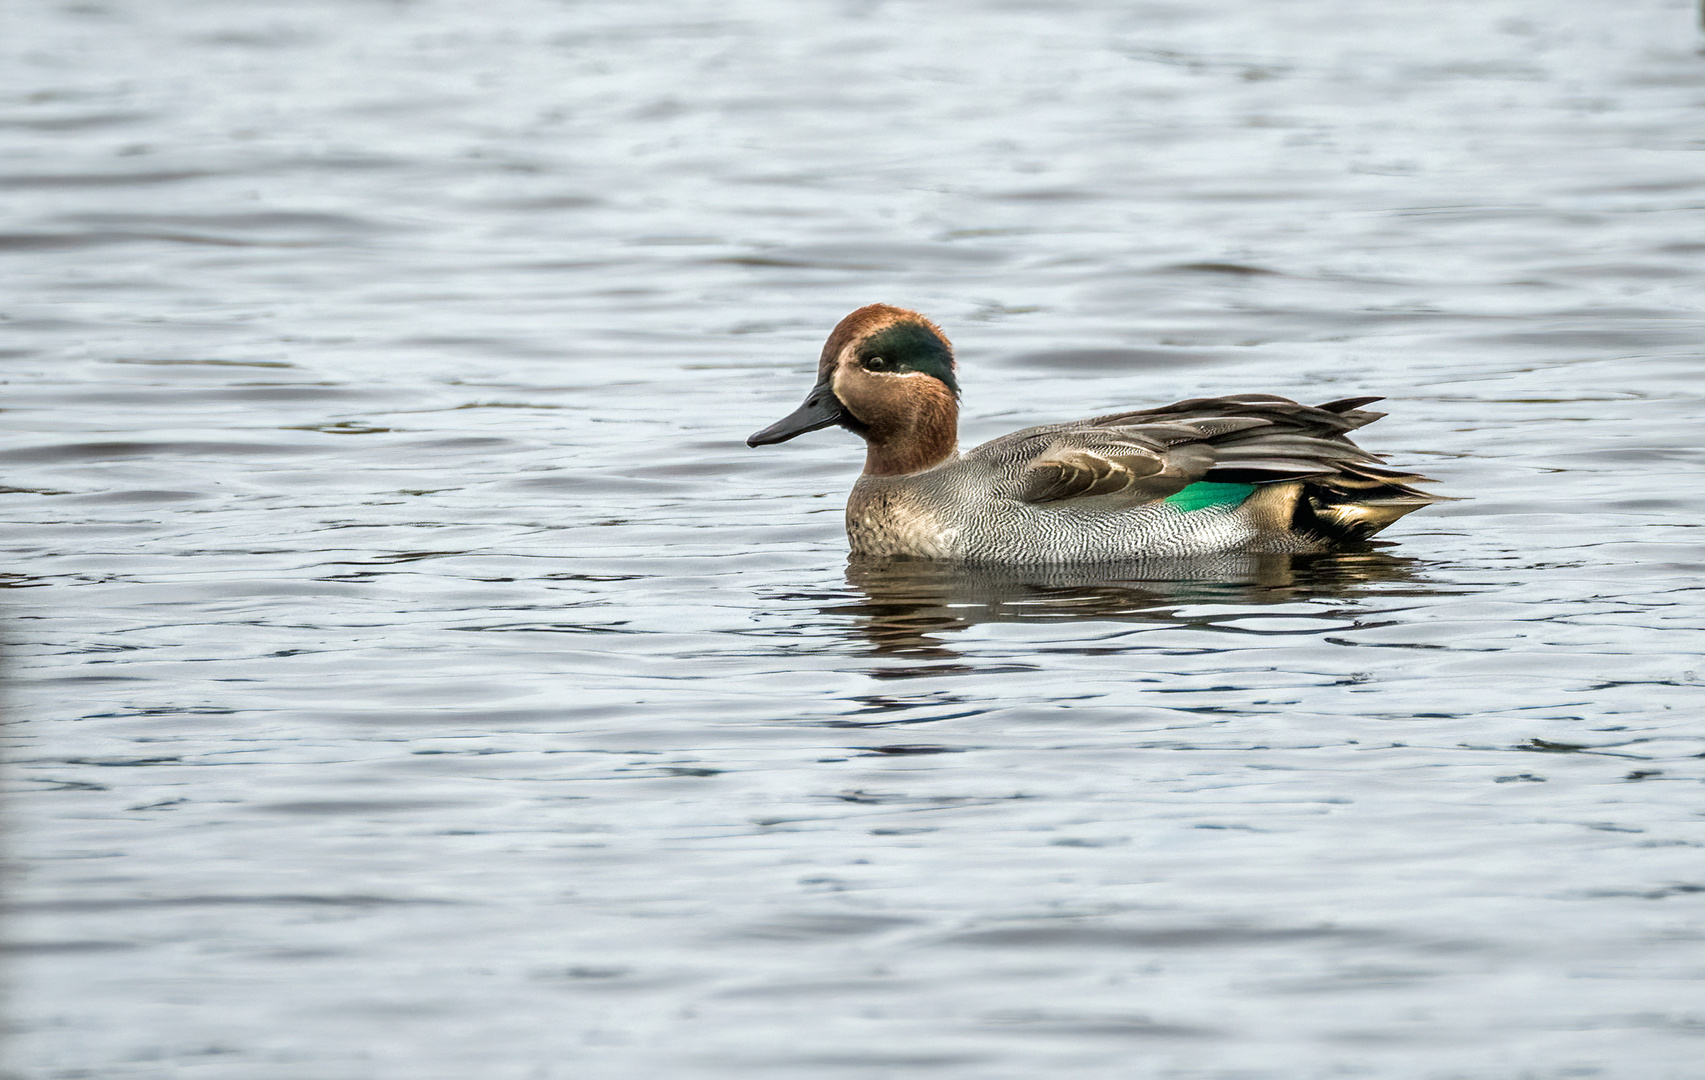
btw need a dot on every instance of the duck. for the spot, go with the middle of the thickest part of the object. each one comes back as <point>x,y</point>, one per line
<point>1244,474</point>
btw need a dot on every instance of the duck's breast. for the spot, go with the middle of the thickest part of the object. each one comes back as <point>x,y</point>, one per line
<point>894,516</point>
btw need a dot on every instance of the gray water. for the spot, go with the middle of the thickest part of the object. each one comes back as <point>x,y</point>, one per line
<point>414,676</point>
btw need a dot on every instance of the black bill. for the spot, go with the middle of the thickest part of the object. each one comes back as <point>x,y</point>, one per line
<point>821,409</point>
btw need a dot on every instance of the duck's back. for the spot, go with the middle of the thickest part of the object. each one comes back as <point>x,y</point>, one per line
<point>1252,473</point>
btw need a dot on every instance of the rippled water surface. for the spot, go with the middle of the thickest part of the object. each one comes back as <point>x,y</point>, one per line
<point>415,677</point>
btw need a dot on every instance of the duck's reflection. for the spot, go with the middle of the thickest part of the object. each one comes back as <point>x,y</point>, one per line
<point>906,608</point>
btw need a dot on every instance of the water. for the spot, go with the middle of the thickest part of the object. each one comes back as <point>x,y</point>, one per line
<point>416,677</point>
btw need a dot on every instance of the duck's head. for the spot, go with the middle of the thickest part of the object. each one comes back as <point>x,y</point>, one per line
<point>886,374</point>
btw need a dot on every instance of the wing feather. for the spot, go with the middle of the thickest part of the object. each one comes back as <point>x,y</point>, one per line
<point>1140,456</point>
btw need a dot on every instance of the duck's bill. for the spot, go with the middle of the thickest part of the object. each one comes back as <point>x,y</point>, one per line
<point>821,409</point>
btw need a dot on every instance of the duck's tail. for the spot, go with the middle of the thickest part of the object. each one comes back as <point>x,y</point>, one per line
<point>1357,501</point>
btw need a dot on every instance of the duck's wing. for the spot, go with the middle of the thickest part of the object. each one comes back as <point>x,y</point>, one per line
<point>1149,454</point>
<point>1328,421</point>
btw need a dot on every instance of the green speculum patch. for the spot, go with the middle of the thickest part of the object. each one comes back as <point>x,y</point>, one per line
<point>907,346</point>
<point>1202,495</point>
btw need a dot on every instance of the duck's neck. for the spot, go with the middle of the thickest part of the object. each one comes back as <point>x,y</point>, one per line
<point>924,436</point>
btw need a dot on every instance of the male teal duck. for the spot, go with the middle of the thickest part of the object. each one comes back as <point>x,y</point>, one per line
<point>1247,473</point>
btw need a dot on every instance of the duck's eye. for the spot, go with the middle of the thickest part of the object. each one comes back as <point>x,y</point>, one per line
<point>877,363</point>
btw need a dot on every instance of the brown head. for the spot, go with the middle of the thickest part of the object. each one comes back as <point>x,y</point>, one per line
<point>886,374</point>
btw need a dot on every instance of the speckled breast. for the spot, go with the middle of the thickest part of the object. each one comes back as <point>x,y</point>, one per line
<point>889,520</point>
